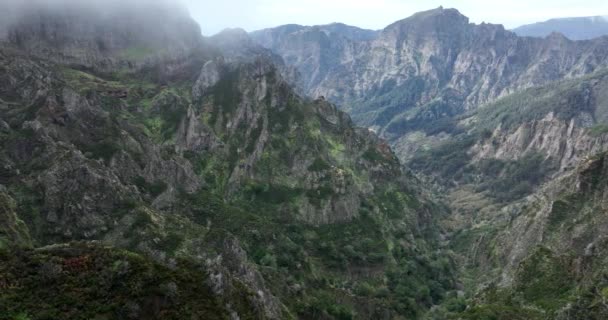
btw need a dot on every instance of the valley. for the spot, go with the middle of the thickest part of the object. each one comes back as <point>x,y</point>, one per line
<point>435,169</point>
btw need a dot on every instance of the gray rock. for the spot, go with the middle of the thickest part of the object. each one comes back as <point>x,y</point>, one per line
<point>444,61</point>
<point>4,127</point>
<point>209,76</point>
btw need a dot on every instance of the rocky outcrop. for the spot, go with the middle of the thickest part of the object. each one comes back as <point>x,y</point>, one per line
<point>215,160</point>
<point>267,114</point>
<point>558,234</point>
<point>229,270</point>
<point>565,142</point>
<point>434,65</point>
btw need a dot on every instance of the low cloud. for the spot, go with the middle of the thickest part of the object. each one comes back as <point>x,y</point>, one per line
<point>13,11</point>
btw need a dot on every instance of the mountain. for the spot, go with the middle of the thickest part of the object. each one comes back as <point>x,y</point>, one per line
<point>104,283</point>
<point>191,180</point>
<point>312,51</point>
<point>509,131</point>
<point>428,68</point>
<point>583,28</point>
<point>554,252</point>
<point>147,172</point>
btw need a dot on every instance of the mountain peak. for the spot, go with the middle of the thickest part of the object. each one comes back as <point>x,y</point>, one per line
<point>436,22</point>
<point>434,17</point>
<point>233,35</point>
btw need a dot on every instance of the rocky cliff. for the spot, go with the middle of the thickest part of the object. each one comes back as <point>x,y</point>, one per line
<point>511,168</point>
<point>506,127</point>
<point>434,65</point>
<point>285,208</point>
<point>552,252</point>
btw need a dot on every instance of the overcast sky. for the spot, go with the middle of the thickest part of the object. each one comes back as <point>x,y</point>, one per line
<point>216,15</point>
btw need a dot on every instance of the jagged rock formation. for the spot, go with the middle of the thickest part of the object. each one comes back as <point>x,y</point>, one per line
<point>434,65</point>
<point>199,155</point>
<point>286,208</point>
<point>514,168</point>
<point>497,122</point>
<point>564,122</point>
<point>553,253</point>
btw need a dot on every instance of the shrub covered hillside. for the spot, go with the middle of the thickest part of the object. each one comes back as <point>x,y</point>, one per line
<point>213,168</point>
<point>558,253</point>
<point>524,180</point>
<point>80,281</point>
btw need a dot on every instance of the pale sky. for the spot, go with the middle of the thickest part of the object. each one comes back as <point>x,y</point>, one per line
<point>216,15</point>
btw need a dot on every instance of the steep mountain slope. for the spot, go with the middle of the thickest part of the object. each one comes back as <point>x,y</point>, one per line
<point>562,122</point>
<point>284,206</point>
<point>524,183</point>
<point>313,51</point>
<point>583,28</point>
<point>430,67</point>
<point>554,251</point>
<point>83,281</point>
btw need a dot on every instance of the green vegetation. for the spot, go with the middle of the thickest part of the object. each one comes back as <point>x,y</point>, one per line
<point>450,160</point>
<point>154,189</point>
<point>545,280</point>
<point>503,180</point>
<point>563,208</point>
<point>319,165</point>
<point>511,180</point>
<point>598,130</point>
<point>88,282</point>
<point>316,257</point>
<point>288,186</point>
<point>83,82</point>
<point>373,155</point>
<point>544,284</point>
<point>564,98</point>
<point>102,151</point>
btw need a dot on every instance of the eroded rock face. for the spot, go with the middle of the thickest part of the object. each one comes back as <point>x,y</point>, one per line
<point>565,216</point>
<point>264,114</point>
<point>431,66</point>
<point>231,266</point>
<point>189,166</point>
<point>209,76</point>
<point>566,142</point>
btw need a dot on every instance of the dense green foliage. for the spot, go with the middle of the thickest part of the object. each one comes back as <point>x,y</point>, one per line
<point>314,258</point>
<point>89,282</point>
<point>248,176</point>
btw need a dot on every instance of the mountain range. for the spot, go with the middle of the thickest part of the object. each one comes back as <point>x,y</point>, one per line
<point>582,28</point>
<point>435,169</point>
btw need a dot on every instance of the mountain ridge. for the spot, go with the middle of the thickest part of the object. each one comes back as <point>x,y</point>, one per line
<point>577,28</point>
<point>379,80</point>
<point>202,166</point>
<point>495,123</point>
<point>287,208</point>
